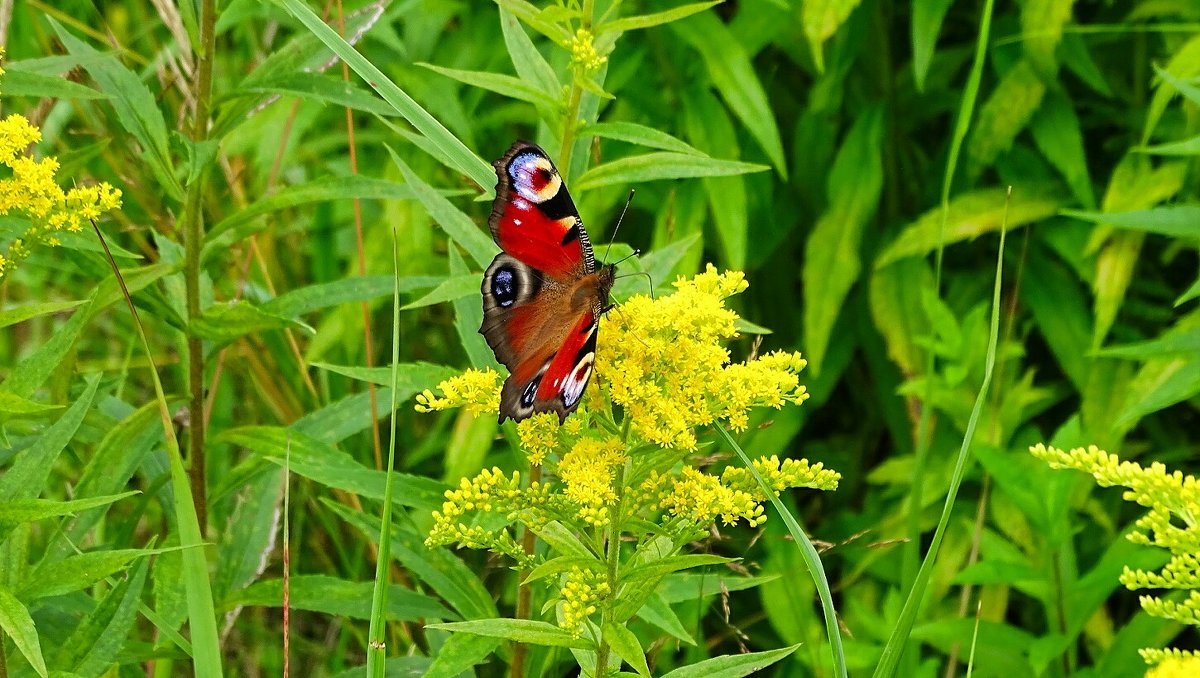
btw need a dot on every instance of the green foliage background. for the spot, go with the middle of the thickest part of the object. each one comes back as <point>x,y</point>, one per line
<point>808,144</point>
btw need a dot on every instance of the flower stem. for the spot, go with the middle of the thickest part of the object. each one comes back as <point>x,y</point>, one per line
<point>193,239</point>
<point>571,115</point>
<point>613,557</point>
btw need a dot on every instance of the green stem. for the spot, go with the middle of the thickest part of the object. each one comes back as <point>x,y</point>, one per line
<point>193,240</point>
<point>613,560</point>
<point>574,99</point>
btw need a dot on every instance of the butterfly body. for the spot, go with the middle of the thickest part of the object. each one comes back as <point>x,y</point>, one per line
<point>543,295</point>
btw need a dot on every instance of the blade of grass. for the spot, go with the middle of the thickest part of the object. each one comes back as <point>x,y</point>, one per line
<point>895,645</point>
<point>376,649</point>
<point>202,618</point>
<point>811,558</point>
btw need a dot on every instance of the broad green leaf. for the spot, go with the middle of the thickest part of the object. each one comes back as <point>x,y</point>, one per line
<point>660,165</point>
<point>518,630</point>
<point>312,298</point>
<point>25,478</point>
<point>892,292</point>
<point>95,644</point>
<point>78,572</point>
<point>1183,65</point>
<point>1176,221</point>
<point>459,653</point>
<point>320,88</point>
<point>1186,147</point>
<point>821,19</point>
<point>659,568</point>
<point>413,377</point>
<point>684,586</point>
<point>970,215</point>
<point>30,373</point>
<point>505,85</point>
<point>562,540</point>
<point>561,564</point>
<point>1061,313</point>
<point>457,225</point>
<point>1057,133</point>
<point>20,83</point>
<point>18,625</point>
<point>223,322</point>
<point>1002,117</point>
<point>19,314</point>
<point>245,546</point>
<point>1191,293</point>
<point>731,666</point>
<point>16,405</point>
<point>540,20</point>
<point>627,647</point>
<point>13,513</point>
<point>321,462</point>
<point>709,127</point>
<point>926,24</point>
<point>338,597</point>
<point>454,287</point>
<point>242,223</point>
<point>443,140</point>
<point>734,77</point>
<point>468,318</point>
<point>641,135</point>
<point>659,613</point>
<point>530,64</point>
<point>832,261</point>
<point>638,22</point>
<point>1161,386</point>
<point>1042,24</point>
<point>137,111</point>
<point>343,418</point>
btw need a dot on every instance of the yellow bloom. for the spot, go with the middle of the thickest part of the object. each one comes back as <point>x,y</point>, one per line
<point>588,472</point>
<point>581,592</point>
<point>476,390</point>
<point>1181,664</point>
<point>32,192</point>
<point>664,362</point>
<point>584,56</point>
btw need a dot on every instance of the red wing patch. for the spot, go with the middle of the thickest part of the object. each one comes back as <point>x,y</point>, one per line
<point>568,373</point>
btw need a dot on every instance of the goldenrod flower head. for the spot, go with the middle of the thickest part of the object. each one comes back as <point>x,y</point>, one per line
<point>588,471</point>
<point>32,192</point>
<point>664,362</point>
<point>1172,523</point>
<point>1173,664</point>
<point>476,390</point>
<point>581,592</point>
<point>489,492</point>
<point>584,56</point>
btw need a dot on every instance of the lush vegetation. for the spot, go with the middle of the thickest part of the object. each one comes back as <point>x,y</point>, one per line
<point>977,222</point>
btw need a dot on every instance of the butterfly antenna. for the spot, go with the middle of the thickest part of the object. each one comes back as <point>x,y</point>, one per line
<point>618,227</point>
<point>633,273</point>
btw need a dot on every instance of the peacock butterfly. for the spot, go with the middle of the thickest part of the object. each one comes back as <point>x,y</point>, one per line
<point>543,295</point>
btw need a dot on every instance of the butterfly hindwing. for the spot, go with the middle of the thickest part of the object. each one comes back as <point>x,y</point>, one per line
<point>542,296</point>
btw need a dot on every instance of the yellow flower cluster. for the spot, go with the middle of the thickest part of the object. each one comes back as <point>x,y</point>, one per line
<point>490,492</point>
<point>1173,523</point>
<point>1172,663</point>
<point>664,362</point>
<point>781,475</point>
<point>582,590</point>
<point>476,390</point>
<point>33,193</point>
<point>584,56</point>
<point>588,471</point>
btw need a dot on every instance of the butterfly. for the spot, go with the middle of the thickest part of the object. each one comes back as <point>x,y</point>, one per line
<point>543,295</point>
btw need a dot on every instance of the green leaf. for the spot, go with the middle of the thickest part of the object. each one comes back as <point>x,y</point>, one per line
<point>1176,221</point>
<point>506,85</point>
<point>320,88</point>
<point>134,103</point>
<point>25,478</point>
<point>16,405</point>
<point>562,564</point>
<point>320,296</point>
<point>634,133</point>
<point>1172,383</point>
<point>821,19</point>
<point>735,79</point>
<point>459,653</point>
<point>30,373</point>
<point>18,625</point>
<point>659,568</point>
<point>926,24</point>
<point>454,287</point>
<point>709,126</point>
<point>223,322</point>
<point>97,641</point>
<point>530,64</point>
<point>468,318</point>
<point>78,572</point>
<point>970,215</point>
<point>658,166</point>
<point>338,598</point>
<point>245,546</point>
<point>539,19</point>
<point>449,147</point>
<point>321,462</point>
<point>413,377</point>
<point>1058,135</point>
<point>19,314</point>
<point>1002,117</point>
<point>457,225</point>
<point>627,647</point>
<point>518,630</point>
<point>1183,65</point>
<point>20,83</point>
<point>19,511</point>
<point>242,223</point>
<point>832,261</point>
<point>1042,23</point>
<point>638,22</point>
<point>731,666</point>
<point>1187,147</point>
